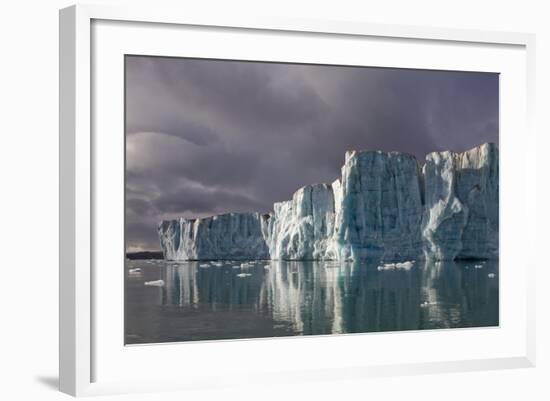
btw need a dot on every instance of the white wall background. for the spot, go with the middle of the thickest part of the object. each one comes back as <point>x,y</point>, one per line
<point>29,201</point>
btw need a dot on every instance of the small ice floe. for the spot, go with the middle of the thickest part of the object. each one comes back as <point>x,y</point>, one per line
<point>267,267</point>
<point>155,283</point>
<point>427,303</point>
<point>245,265</point>
<point>134,270</point>
<point>204,265</point>
<point>478,266</point>
<point>244,275</point>
<point>491,275</point>
<point>407,265</point>
<point>217,264</point>
<point>236,267</point>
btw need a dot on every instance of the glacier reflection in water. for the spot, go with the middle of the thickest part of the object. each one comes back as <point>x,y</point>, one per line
<point>209,300</point>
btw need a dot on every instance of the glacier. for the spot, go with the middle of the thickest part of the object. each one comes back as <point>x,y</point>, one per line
<point>228,236</point>
<point>302,228</point>
<point>380,209</point>
<point>385,206</point>
<point>461,204</point>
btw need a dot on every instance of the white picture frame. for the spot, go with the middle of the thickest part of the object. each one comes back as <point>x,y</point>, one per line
<point>79,344</point>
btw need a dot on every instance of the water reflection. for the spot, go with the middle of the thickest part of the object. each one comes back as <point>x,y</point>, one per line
<point>293,298</point>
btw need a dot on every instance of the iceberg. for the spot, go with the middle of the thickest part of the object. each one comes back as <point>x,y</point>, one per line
<point>385,206</point>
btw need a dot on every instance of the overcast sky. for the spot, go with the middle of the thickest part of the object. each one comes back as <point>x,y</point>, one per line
<point>206,137</point>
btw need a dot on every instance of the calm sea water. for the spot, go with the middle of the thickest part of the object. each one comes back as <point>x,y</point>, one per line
<point>202,301</point>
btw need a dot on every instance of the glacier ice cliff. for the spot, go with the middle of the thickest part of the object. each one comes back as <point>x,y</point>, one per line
<point>302,228</point>
<point>228,236</point>
<point>385,206</point>
<point>380,209</point>
<point>461,204</point>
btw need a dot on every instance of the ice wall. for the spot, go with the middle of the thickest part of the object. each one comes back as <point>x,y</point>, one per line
<point>302,228</point>
<point>384,206</point>
<point>461,204</point>
<point>227,236</point>
<point>380,207</point>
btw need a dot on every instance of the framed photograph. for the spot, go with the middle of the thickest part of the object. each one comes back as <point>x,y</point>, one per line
<point>290,198</point>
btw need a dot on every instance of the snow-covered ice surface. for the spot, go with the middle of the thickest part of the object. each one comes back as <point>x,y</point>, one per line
<point>385,206</point>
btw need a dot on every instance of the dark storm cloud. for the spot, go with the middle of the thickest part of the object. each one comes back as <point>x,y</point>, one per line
<point>204,202</point>
<point>207,137</point>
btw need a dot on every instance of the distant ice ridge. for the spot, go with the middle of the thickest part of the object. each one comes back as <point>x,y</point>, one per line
<point>385,206</point>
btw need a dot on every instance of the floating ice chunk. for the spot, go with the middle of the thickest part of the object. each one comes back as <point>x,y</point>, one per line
<point>427,303</point>
<point>134,270</point>
<point>491,275</point>
<point>204,265</point>
<point>407,265</point>
<point>245,265</point>
<point>267,267</point>
<point>478,266</point>
<point>244,275</point>
<point>236,267</point>
<point>155,283</point>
